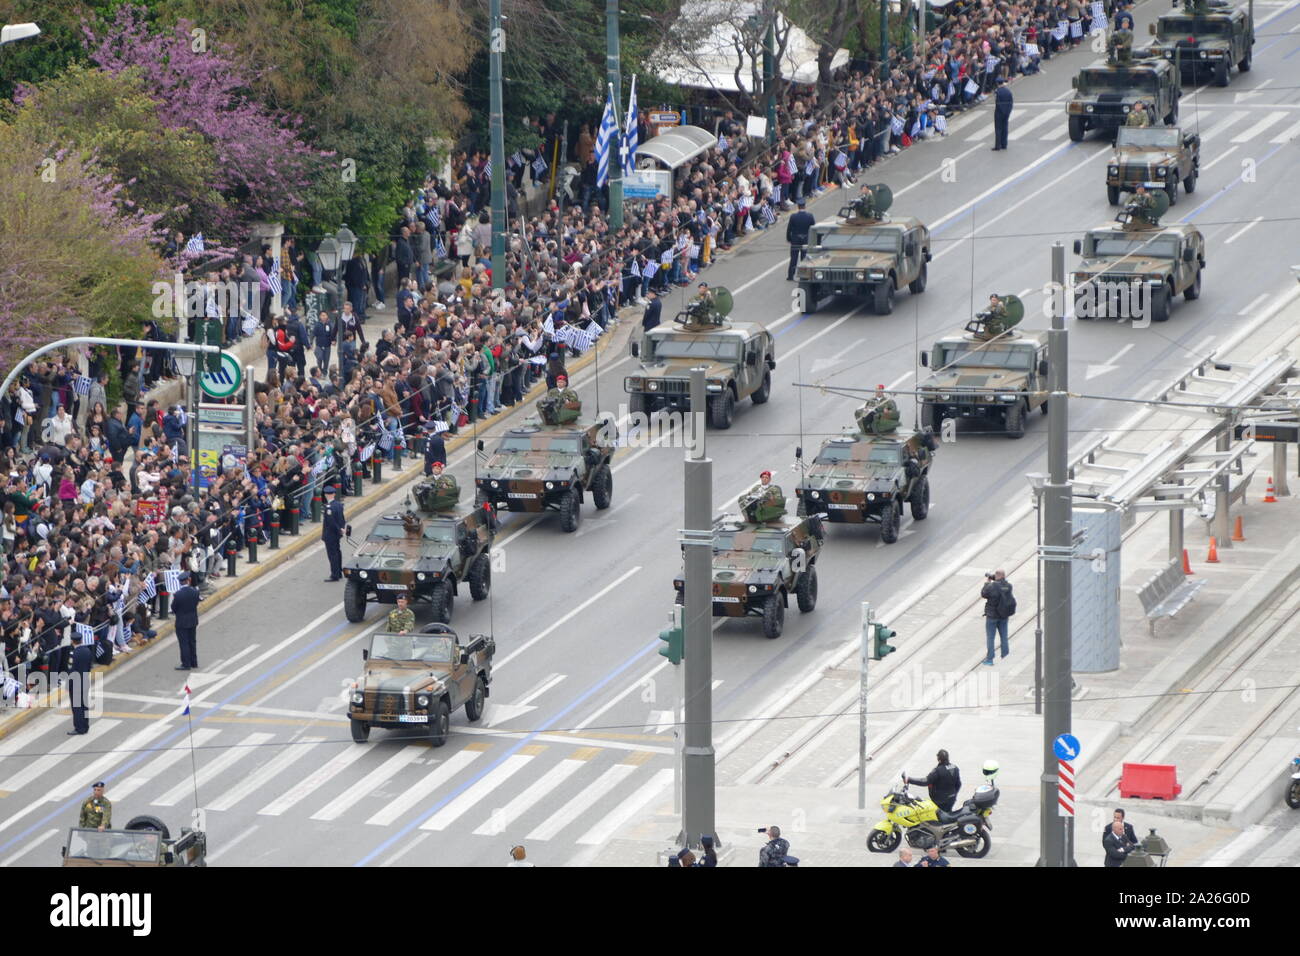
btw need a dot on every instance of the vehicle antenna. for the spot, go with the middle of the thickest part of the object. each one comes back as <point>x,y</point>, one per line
<point>799,460</point>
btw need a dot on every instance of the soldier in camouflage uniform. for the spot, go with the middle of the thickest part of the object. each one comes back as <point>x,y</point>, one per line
<point>765,499</point>
<point>443,483</point>
<point>1138,116</point>
<point>401,620</point>
<point>1142,205</point>
<point>866,203</point>
<point>561,404</point>
<point>96,810</point>
<point>878,416</point>
<point>995,316</point>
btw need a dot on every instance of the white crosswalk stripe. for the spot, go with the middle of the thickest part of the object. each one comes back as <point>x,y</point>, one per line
<point>43,764</point>
<point>371,781</point>
<point>1054,132</point>
<point>424,786</point>
<point>477,792</point>
<point>1246,135</point>
<point>208,771</point>
<point>153,768</point>
<point>139,741</point>
<point>603,830</point>
<point>607,781</point>
<point>294,751</point>
<point>1220,126</point>
<point>1288,134</point>
<point>504,817</point>
<point>1024,129</point>
<point>317,779</point>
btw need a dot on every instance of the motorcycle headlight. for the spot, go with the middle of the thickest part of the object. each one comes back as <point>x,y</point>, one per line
<point>969,829</point>
<point>819,275</point>
<point>420,576</point>
<point>752,589</point>
<point>422,700</point>
<point>358,698</point>
<point>496,484</point>
<point>363,575</point>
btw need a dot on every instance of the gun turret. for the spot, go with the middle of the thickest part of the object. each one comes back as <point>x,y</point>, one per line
<point>436,494</point>
<point>708,311</point>
<point>998,319</point>
<point>878,416</point>
<point>871,206</point>
<point>1120,47</point>
<point>1143,211</point>
<point>763,504</point>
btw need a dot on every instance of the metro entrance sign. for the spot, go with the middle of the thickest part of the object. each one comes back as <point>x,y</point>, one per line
<point>224,383</point>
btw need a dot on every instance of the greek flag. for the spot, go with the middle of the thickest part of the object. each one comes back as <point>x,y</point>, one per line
<point>148,589</point>
<point>172,580</point>
<point>630,143</point>
<point>896,126</point>
<point>439,246</point>
<point>119,606</point>
<point>548,326</point>
<point>434,219</point>
<point>386,441</point>
<point>539,166</point>
<point>273,277</point>
<point>766,214</point>
<point>457,411</point>
<point>82,385</point>
<point>1098,17</point>
<point>440,427</point>
<point>516,159</point>
<point>586,338</point>
<point>635,270</point>
<point>85,632</point>
<point>195,245</point>
<point>487,169</point>
<point>608,130</point>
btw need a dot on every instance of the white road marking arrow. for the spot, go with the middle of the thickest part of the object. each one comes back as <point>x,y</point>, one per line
<point>660,722</point>
<point>495,715</point>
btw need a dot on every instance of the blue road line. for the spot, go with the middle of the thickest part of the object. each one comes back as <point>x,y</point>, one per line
<point>1237,180</point>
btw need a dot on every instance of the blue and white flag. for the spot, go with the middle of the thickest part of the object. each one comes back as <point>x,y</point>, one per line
<point>896,126</point>
<point>85,632</point>
<point>586,338</point>
<point>82,385</point>
<point>487,169</point>
<point>273,276</point>
<point>539,167</point>
<point>172,580</point>
<point>548,326</point>
<point>434,219</point>
<point>516,159</point>
<point>604,138</point>
<point>148,589</point>
<point>766,214</point>
<point>195,245</point>
<point>630,143</point>
<point>439,246</point>
<point>119,606</point>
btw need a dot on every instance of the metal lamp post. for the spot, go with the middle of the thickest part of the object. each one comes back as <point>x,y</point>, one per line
<point>190,368</point>
<point>1037,481</point>
<point>328,253</point>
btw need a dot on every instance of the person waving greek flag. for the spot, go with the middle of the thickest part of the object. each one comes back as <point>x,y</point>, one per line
<point>604,139</point>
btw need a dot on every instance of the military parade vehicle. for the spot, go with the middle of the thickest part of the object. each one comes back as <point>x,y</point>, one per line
<point>426,553</point>
<point>1133,268</point>
<point>760,558</point>
<point>1209,36</point>
<point>1106,91</point>
<point>551,463</point>
<point>872,473</point>
<point>738,357</point>
<point>865,253</point>
<point>1157,157</point>
<point>994,372</point>
<point>144,842</point>
<point>418,680</point>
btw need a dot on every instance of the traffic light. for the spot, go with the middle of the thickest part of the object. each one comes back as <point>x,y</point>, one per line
<point>881,646</point>
<point>674,638</point>
<point>210,334</point>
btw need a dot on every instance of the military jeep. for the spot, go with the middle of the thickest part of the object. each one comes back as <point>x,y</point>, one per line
<point>757,565</point>
<point>144,842</point>
<point>426,553</point>
<point>545,466</point>
<point>1134,267</point>
<point>1157,157</point>
<point>993,373</point>
<point>1209,36</point>
<point>1106,91</point>
<point>864,253</point>
<point>418,680</point>
<point>870,474</point>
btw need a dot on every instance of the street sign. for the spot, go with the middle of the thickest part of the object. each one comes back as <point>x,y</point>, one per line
<point>226,382</point>
<point>1065,786</point>
<point>1066,747</point>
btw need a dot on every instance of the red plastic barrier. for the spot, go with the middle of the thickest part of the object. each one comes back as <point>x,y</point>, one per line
<point>1149,781</point>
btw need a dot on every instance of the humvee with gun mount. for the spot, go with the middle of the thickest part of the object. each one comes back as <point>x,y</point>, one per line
<point>1106,91</point>
<point>864,253</point>
<point>1208,36</point>
<point>993,373</point>
<point>425,553</point>
<point>869,474</point>
<point>738,358</point>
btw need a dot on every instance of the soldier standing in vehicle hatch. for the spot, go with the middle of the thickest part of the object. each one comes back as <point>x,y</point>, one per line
<point>866,203</point>
<point>765,494</point>
<point>401,620</point>
<point>97,810</point>
<point>995,316</point>
<point>442,483</point>
<point>1138,116</point>
<point>1142,204</point>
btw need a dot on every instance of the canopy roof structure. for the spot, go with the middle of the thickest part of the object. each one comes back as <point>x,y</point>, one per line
<point>676,146</point>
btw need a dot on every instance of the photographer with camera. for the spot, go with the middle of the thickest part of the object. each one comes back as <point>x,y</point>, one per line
<point>776,852</point>
<point>999,605</point>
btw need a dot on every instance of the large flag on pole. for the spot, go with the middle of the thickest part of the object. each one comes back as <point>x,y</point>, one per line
<point>629,133</point>
<point>605,138</point>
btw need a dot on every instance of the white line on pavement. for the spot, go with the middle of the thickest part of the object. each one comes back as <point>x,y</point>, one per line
<point>476,792</point>
<point>1253,302</point>
<point>603,830</point>
<point>212,769</point>
<point>153,768</point>
<point>1240,232</point>
<point>502,818</point>
<point>540,688</point>
<point>425,786</point>
<point>294,751</point>
<point>376,778</point>
<point>586,798</point>
<point>29,846</point>
<point>577,610</point>
<point>1218,159</point>
<point>314,782</point>
<point>597,714</point>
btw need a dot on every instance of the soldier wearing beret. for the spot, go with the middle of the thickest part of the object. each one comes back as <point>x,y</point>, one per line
<point>96,810</point>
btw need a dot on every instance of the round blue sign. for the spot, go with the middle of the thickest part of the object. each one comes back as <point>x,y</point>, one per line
<point>1066,747</point>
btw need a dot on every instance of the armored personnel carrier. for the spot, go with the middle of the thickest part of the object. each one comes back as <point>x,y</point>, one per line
<point>1106,91</point>
<point>1208,36</point>
<point>1133,268</point>
<point>993,372</point>
<point>865,253</point>
<point>1155,157</point>
<point>870,474</point>
<point>739,358</point>
<point>426,552</point>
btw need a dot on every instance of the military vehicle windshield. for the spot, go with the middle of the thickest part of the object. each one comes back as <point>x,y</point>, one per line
<point>1163,247</point>
<point>1179,27</point>
<point>1159,137</point>
<point>971,356</point>
<point>1144,80</point>
<point>390,530</point>
<point>132,846</point>
<point>882,454</point>
<point>749,541</point>
<point>723,350</point>
<point>426,648</point>
<point>565,445</point>
<point>861,241</point>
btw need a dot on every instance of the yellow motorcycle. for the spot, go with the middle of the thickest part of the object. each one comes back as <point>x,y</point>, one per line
<point>925,825</point>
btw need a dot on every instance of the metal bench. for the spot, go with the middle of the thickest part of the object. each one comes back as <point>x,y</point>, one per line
<point>1238,485</point>
<point>1166,594</point>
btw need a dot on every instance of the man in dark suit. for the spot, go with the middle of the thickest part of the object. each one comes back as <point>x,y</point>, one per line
<point>333,529</point>
<point>1001,114</point>
<point>1129,833</point>
<point>1117,844</point>
<point>796,233</point>
<point>653,316</point>
<point>185,607</point>
<point>435,449</point>
<point>83,659</point>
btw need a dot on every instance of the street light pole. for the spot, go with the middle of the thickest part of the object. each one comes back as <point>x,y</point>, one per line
<point>497,47</point>
<point>613,71</point>
<point>884,40</point>
<point>769,76</point>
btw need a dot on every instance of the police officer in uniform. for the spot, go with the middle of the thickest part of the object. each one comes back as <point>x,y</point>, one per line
<point>96,810</point>
<point>185,609</point>
<point>1001,114</point>
<point>83,659</point>
<point>796,233</point>
<point>334,528</point>
<point>943,782</point>
<point>401,620</point>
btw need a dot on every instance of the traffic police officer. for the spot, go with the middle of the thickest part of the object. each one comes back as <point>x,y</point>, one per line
<point>96,810</point>
<point>796,233</point>
<point>1001,114</point>
<point>401,620</point>
<point>333,529</point>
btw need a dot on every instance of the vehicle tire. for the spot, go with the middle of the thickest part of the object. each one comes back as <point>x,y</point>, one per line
<point>921,499</point>
<point>1160,304</point>
<point>354,601</point>
<point>1015,425</point>
<point>1172,189</point>
<point>480,577</point>
<point>1189,184</point>
<point>570,512</point>
<point>1112,195</point>
<point>882,842</point>
<point>764,391</point>
<point>774,616</point>
<point>477,700</point>
<point>1077,129</point>
<point>891,516</point>
<point>721,409</point>
<point>146,822</point>
<point>440,723</point>
<point>882,297</point>
<point>806,591</point>
<point>1293,795</point>
<point>441,599</point>
<point>1193,291</point>
<point>602,488</point>
<point>360,731</point>
<point>809,298</point>
<point>1244,65</point>
<point>636,403</point>
<point>979,850</point>
<point>917,285</point>
<point>1221,73</point>
<point>930,417</point>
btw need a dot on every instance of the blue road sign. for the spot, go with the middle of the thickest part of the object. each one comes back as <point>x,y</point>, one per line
<point>1066,747</point>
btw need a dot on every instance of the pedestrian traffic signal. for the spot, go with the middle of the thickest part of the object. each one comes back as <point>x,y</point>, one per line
<point>674,638</point>
<point>880,646</point>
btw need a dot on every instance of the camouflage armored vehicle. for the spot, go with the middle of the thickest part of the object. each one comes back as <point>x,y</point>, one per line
<point>1209,36</point>
<point>426,553</point>
<point>760,558</point>
<point>870,474</point>
<point>1134,267</point>
<point>144,842</point>
<point>1157,157</point>
<point>1105,92</point>
<point>993,373</point>
<point>418,680</point>
<point>544,465</point>
<point>738,356</point>
<point>865,254</point>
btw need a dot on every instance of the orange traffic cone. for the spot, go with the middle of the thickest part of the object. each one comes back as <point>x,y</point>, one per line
<point>1237,532</point>
<point>1187,565</point>
<point>1269,498</point>
<point>1213,557</point>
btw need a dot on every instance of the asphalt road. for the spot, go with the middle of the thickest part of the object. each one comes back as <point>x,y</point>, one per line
<point>576,739</point>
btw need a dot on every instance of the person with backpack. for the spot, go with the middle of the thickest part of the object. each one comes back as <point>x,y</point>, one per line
<point>999,605</point>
